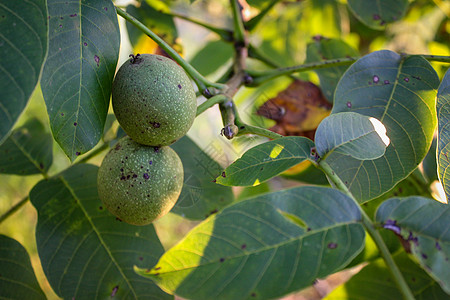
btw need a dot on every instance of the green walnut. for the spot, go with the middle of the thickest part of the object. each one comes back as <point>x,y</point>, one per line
<point>153,100</point>
<point>138,183</point>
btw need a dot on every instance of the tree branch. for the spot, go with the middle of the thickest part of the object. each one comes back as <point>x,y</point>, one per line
<point>262,76</point>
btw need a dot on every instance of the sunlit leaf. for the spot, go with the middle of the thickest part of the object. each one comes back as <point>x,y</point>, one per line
<point>87,253</point>
<point>78,73</point>
<point>28,150</point>
<point>401,93</point>
<point>264,247</point>
<point>424,225</point>
<point>17,280</point>
<point>265,161</point>
<point>200,196</point>
<point>443,112</point>
<point>351,134</point>
<point>23,46</point>
<point>377,14</point>
<point>375,282</point>
<point>324,49</point>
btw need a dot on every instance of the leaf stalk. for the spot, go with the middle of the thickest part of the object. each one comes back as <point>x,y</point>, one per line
<point>370,228</point>
<point>238,23</point>
<point>217,99</point>
<point>225,34</point>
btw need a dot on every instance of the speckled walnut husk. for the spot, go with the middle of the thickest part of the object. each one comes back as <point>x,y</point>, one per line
<point>153,100</point>
<point>138,183</point>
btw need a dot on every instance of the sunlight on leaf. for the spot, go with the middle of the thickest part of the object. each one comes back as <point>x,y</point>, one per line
<point>381,130</point>
<point>438,192</point>
<point>351,134</point>
<point>299,234</point>
<point>276,151</point>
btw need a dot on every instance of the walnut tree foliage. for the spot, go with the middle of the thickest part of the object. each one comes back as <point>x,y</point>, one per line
<point>366,149</point>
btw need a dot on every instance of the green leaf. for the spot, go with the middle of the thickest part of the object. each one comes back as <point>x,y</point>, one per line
<point>264,247</point>
<point>160,23</point>
<point>323,49</point>
<point>265,161</point>
<point>200,196</point>
<point>379,13</point>
<point>350,133</point>
<point>375,282</point>
<point>28,150</point>
<point>17,280</point>
<point>77,77</point>
<point>443,113</point>
<point>86,253</point>
<point>217,54</point>
<point>23,47</point>
<point>424,224</point>
<point>401,93</point>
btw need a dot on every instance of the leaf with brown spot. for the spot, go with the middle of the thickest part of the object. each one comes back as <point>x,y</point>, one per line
<point>298,109</point>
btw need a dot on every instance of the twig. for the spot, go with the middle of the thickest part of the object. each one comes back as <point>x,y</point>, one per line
<point>217,99</point>
<point>225,34</point>
<point>94,153</point>
<point>262,76</point>
<point>252,23</point>
<point>238,24</point>
<point>14,208</point>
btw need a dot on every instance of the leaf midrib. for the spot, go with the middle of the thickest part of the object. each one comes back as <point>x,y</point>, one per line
<point>394,88</point>
<point>27,155</point>
<point>267,162</point>
<point>94,228</point>
<point>261,249</point>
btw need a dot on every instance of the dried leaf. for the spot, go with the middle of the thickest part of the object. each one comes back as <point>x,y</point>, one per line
<point>298,109</point>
